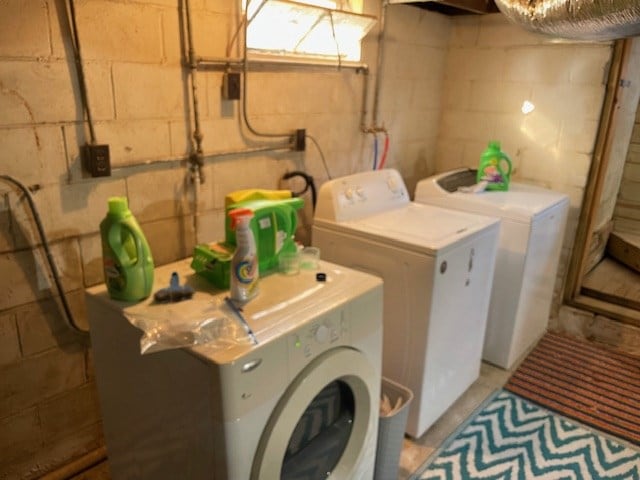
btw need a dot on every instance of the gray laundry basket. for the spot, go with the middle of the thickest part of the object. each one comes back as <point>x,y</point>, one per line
<point>391,431</point>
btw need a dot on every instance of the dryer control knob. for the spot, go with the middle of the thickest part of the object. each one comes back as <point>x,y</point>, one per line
<point>322,334</point>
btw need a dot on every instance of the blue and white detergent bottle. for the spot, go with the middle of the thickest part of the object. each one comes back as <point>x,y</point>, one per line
<point>494,168</point>
<point>244,263</point>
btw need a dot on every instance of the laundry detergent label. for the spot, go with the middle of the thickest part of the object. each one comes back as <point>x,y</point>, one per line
<point>245,270</point>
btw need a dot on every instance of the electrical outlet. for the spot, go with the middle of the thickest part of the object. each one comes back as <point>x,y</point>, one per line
<point>231,86</point>
<point>300,142</point>
<point>97,160</point>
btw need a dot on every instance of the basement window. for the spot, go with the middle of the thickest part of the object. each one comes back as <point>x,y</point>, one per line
<point>326,29</point>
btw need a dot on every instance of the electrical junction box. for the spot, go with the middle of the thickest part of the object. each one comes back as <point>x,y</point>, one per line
<point>231,86</point>
<point>97,160</point>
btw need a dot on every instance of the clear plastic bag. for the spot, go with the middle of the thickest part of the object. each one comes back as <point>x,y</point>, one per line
<point>170,327</point>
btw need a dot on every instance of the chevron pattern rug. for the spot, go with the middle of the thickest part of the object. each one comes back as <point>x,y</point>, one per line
<point>513,439</point>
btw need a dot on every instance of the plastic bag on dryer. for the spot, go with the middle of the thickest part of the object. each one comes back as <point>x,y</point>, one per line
<point>170,328</point>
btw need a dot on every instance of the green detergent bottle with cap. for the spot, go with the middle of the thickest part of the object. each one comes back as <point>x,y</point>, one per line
<point>128,264</point>
<point>494,168</point>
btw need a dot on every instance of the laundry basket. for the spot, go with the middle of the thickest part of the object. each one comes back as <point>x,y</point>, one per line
<point>391,430</point>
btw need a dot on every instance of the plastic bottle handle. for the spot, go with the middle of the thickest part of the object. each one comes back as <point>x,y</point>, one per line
<point>508,160</point>
<point>294,220</point>
<point>115,236</point>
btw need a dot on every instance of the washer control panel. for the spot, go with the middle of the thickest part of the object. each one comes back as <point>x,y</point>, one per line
<point>362,194</point>
<point>319,335</point>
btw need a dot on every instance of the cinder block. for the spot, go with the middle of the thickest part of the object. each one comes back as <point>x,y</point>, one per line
<point>66,210</point>
<point>505,33</point>
<point>36,153</point>
<point>37,378</point>
<point>170,239</point>
<point>6,237</point>
<point>24,29</point>
<point>42,325</point>
<point>221,135</point>
<point>119,31</point>
<point>69,413</point>
<point>549,64</point>
<point>211,226</point>
<point>90,368</point>
<point>135,141</point>
<point>91,252</point>
<point>37,91</point>
<point>590,65</point>
<point>9,341</point>
<point>251,172</point>
<point>585,325</point>
<point>55,455</point>
<point>211,33</point>
<point>97,77</point>
<point>20,441</point>
<point>167,196</point>
<point>149,91</point>
<point>26,276</point>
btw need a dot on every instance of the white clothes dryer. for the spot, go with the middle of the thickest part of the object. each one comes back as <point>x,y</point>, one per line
<point>301,404</point>
<point>437,267</point>
<point>531,235</point>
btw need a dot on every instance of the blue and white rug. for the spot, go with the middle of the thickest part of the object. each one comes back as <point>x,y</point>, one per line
<point>513,439</point>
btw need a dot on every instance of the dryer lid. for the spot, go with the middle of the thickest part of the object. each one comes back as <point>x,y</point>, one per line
<point>522,202</point>
<point>422,228</point>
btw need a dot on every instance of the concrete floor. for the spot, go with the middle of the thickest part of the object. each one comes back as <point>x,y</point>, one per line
<point>415,451</point>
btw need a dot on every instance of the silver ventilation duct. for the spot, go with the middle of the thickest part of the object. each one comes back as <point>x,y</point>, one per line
<point>575,19</point>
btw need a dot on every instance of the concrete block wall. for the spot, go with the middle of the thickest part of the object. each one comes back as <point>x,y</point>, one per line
<point>492,68</point>
<point>440,100</point>
<point>140,98</point>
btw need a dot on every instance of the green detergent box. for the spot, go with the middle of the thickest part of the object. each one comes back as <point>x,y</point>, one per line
<point>213,262</point>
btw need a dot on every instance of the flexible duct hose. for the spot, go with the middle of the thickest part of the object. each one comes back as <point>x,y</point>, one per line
<point>596,20</point>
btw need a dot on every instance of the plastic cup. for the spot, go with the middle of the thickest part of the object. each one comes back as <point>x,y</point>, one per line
<point>289,263</point>
<point>309,258</point>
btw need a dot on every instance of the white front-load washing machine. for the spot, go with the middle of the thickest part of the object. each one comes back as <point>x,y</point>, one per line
<point>302,403</point>
<point>437,267</point>
<point>531,235</point>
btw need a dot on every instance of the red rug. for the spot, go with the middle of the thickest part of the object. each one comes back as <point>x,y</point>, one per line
<point>592,384</point>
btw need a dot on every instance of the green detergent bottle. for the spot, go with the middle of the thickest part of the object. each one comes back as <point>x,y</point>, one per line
<point>494,168</point>
<point>127,260</point>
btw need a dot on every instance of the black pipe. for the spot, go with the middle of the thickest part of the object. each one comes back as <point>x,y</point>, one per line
<point>309,184</point>
<point>45,244</point>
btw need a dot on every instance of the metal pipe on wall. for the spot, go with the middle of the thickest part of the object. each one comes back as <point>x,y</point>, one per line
<point>196,157</point>
<point>236,64</point>
<point>374,127</point>
<point>380,59</point>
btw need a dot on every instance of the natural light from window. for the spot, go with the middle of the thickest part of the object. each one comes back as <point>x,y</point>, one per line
<point>311,28</point>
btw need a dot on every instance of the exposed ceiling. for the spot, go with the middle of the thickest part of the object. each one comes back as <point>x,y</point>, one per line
<point>458,7</point>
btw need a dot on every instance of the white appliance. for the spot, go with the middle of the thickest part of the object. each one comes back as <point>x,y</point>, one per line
<point>437,267</point>
<point>533,224</point>
<point>309,390</point>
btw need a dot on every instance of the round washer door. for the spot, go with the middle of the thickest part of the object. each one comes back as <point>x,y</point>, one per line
<point>347,367</point>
